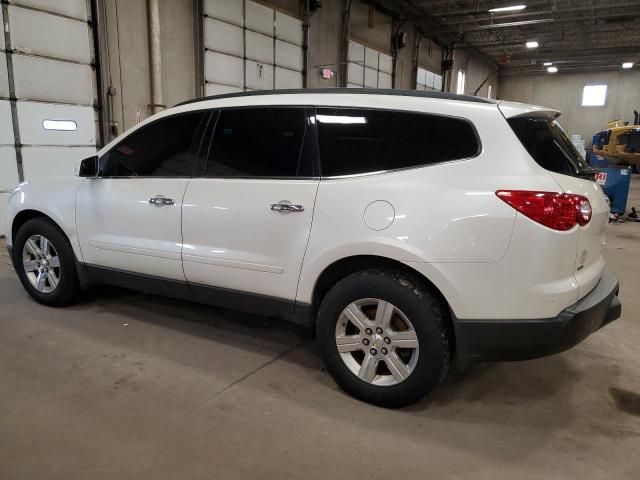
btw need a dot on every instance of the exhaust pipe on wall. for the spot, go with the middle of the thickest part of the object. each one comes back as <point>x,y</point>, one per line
<point>155,55</point>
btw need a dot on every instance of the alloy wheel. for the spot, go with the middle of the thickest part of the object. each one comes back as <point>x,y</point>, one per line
<point>41,263</point>
<point>377,342</point>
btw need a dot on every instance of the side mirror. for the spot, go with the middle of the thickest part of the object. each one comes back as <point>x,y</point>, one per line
<point>89,167</point>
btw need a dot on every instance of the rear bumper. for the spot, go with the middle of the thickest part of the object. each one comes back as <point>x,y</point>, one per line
<point>497,340</point>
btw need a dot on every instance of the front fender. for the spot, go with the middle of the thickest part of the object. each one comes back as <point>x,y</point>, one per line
<point>54,198</point>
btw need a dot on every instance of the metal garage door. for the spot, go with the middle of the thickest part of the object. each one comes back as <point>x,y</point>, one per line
<point>249,46</point>
<point>46,66</point>
<point>427,80</point>
<point>368,67</point>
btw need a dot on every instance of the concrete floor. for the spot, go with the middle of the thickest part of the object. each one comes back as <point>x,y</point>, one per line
<point>134,386</point>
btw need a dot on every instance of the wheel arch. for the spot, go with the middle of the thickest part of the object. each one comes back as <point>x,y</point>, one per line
<point>344,267</point>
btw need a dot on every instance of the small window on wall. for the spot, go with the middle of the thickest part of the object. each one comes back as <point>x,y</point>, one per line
<point>461,82</point>
<point>489,91</point>
<point>594,95</point>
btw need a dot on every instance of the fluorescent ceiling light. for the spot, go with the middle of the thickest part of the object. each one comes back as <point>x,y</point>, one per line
<point>552,69</point>
<point>532,44</point>
<point>512,8</point>
<point>547,64</point>
<point>343,119</point>
<point>627,65</point>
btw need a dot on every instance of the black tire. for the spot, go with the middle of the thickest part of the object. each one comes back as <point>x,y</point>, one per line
<point>67,286</point>
<point>421,308</point>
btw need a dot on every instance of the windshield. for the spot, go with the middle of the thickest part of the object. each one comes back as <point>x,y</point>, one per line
<point>548,145</point>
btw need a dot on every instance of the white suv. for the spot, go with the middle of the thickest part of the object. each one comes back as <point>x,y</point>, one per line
<point>409,229</point>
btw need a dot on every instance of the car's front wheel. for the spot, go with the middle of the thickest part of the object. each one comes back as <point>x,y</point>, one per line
<point>45,263</point>
<point>383,337</point>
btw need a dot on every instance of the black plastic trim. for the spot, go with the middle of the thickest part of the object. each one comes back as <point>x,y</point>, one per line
<point>522,339</point>
<point>351,91</point>
<point>264,305</point>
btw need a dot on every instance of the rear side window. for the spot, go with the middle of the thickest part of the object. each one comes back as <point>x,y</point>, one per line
<point>354,141</point>
<point>164,148</point>
<point>548,145</point>
<point>257,142</point>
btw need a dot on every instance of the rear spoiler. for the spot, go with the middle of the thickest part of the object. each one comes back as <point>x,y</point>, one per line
<point>515,109</point>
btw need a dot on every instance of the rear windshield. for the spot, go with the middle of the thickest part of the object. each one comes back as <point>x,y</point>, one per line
<point>549,146</point>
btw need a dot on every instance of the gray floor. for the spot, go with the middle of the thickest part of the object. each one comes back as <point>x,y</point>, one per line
<point>133,386</point>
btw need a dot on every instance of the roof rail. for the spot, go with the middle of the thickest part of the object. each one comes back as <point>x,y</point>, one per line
<point>357,91</point>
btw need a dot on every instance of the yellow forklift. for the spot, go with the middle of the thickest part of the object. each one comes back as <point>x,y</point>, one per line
<point>620,141</point>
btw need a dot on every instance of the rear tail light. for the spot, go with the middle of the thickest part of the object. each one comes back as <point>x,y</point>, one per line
<point>559,211</point>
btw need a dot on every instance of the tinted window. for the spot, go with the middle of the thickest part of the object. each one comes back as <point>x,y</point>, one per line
<point>257,142</point>
<point>549,146</point>
<point>358,141</point>
<point>164,148</point>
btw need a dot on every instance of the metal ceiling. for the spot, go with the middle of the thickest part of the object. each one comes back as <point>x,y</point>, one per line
<point>573,34</point>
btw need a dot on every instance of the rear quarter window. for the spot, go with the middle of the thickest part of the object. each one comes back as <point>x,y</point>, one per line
<point>355,141</point>
<point>548,145</point>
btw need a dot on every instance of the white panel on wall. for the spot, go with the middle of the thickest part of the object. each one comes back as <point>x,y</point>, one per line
<point>371,58</point>
<point>223,37</point>
<point>224,69</point>
<point>288,78</point>
<point>8,169</point>
<point>6,124</point>
<point>259,18</point>
<point>288,55</point>
<point>429,79</point>
<point>384,80</point>
<point>229,11</point>
<point>289,28</point>
<point>71,8</point>
<point>259,75</point>
<point>386,63</point>
<point>355,74</point>
<point>422,76</point>
<point>1,40</point>
<point>259,47</point>
<point>47,162</point>
<point>356,52</point>
<point>213,89</point>
<point>4,79</point>
<point>43,79</point>
<point>437,82</point>
<point>31,122</point>
<point>49,35</point>
<point>370,78</point>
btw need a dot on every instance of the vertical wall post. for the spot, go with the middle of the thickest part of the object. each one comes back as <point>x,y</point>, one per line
<point>346,33</point>
<point>12,91</point>
<point>155,55</point>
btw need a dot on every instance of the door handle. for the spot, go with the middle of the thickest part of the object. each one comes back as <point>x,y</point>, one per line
<point>161,201</point>
<point>285,206</point>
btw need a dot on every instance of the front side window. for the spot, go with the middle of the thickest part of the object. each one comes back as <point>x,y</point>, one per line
<point>164,148</point>
<point>548,145</point>
<point>355,141</point>
<point>258,142</point>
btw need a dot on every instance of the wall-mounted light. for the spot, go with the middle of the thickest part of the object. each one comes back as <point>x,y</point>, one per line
<point>547,64</point>
<point>627,65</point>
<point>512,8</point>
<point>552,69</point>
<point>61,125</point>
<point>532,44</point>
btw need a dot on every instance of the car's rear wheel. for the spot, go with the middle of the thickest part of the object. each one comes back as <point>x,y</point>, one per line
<point>45,262</point>
<point>383,337</point>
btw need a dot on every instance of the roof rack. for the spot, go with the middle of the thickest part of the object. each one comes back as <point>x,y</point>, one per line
<point>357,91</point>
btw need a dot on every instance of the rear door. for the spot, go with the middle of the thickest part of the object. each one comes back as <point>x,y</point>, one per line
<point>550,147</point>
<point>129,218</point>
<point>246,221</point>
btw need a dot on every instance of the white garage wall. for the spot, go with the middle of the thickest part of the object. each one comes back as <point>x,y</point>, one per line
<point>368,67</point>
<point>54,79</point>
<point>249,46</point>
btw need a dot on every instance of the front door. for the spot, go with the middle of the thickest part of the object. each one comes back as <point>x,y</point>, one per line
<point>129,217</point>
<point>246,222</point>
